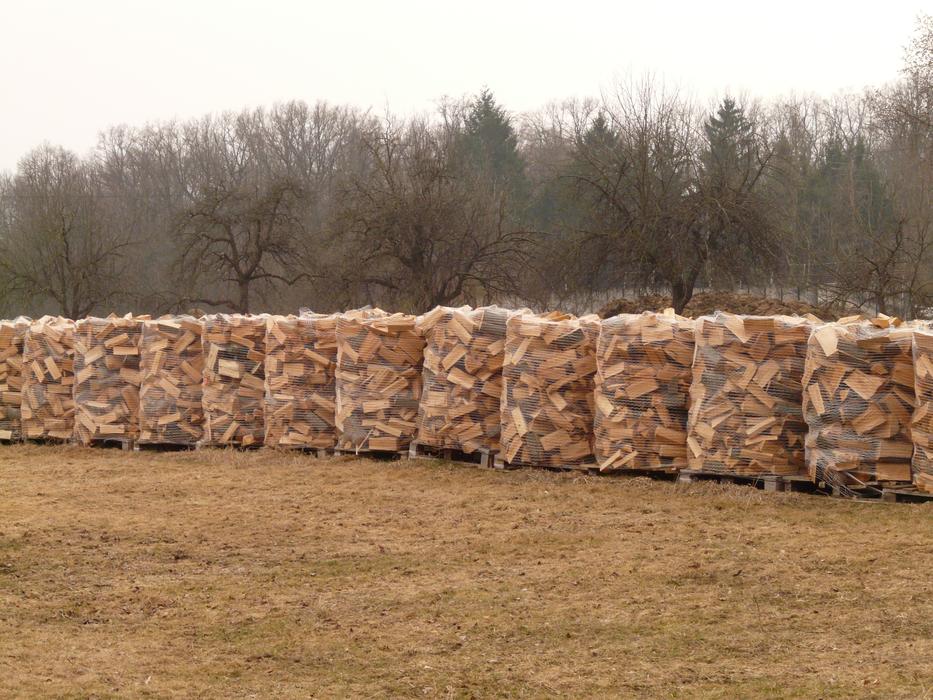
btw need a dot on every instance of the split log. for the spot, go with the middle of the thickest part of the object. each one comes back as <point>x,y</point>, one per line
<point>301,392</point>
<point>107,378</point>
<point>463,355</point>
<point>745,414</point>
<point>48,409</point>
<point>171,363</point>
<point>858,401</point>
<point>379,360</point>
<point>548,384</point>
<point>234,379</point>
<point>643,374</point>
<point>12,335</point>
<point>921,428</point>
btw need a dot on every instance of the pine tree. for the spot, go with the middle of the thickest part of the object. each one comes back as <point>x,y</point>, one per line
<point>491,143</point>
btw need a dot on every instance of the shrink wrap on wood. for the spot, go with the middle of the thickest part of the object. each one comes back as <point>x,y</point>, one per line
<point>379,361</point>
<point>858,401</point>
<point>172,363</point>
<point>107,378</point>
<point>548,390</point>
<point>301,390</point>
<point>464,350</point>
<point>921,428</point>
<point>12,335</point>
<point>643,374</point>
<point>234,379</point>
<point>745,414</point>
<point>48,409</point>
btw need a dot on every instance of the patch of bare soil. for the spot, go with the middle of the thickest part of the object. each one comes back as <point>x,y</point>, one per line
<point>232,574</point>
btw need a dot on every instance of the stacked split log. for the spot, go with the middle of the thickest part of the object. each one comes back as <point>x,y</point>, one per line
<point>301,392</point>
<point>171,363</point>
<point>107,378</point>
<point>858,402</point>
<point>745,414</point>
<point>921,428</point>
<point>643,374</point>
<point>12,334</point>
<point>379,360</point>
<point>48,409</point>
<point>548,384</point>
<point>463,359</point>
<point>234,379</point>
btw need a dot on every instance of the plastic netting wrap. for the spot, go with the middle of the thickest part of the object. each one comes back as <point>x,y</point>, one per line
<point>858,402</point>
<point>463,359</point>
<point>643,374</point>
<point>48,409</point>
<point>548,382</point>
<point>745,397</point>
<point>107,378</point>
<point>301,391</point>
<point>234,379</point>
<point>172,363</point>
<point>12,335</point>
<point>922,421</point>
<point>379,360</point>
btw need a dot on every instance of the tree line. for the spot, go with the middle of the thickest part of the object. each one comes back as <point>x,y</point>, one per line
<point>640,190</point>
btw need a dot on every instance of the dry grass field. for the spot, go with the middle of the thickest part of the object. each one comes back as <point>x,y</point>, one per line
<point>235,574</point>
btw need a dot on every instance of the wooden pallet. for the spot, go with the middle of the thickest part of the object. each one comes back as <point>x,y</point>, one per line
<point>162,447</point>
<point>906,495</point>
<point>590,468</point>
<point>385,455</point>
<point>659,474</point>
<point>768,482</point>
<point>481,457</point>
<point>125,444</point>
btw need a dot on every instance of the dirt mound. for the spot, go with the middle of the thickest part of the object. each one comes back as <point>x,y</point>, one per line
<point>707,302</point>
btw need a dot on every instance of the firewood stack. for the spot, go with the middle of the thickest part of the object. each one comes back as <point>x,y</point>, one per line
<point>462,378</point>
<point>172,363</point>
<point>921,428</point>
<point>379,360</point>
<point>12,334</point>
<point>643,373</point>
<point>301,392</point>
<point>745,414</point>
<point>858,402</point>
<point>548,384</point>
<point>234,379</point>
<point>107,378</point>
<point>48,408</point>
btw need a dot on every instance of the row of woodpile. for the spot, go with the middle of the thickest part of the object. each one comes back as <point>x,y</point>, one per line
<point>848,403</point>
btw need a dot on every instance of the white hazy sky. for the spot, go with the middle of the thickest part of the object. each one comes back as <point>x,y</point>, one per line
<point>70,68</point>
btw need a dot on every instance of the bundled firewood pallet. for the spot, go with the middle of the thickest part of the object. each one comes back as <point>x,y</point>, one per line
<point>547,401</point>
<point>12,335</point>
<point>234,379</point>
<point>48,409</point>
<point>922,420</point>
<point>301,392</point>
<point>463,358</point>
<point>171,363</point>
<point>107,378</point>
<point>643,374</point>
<point>745,414</point>
<point>379,360</point>
<point>858,402</point>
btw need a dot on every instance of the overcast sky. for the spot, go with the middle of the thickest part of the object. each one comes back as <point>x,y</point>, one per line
<point>71,68</point>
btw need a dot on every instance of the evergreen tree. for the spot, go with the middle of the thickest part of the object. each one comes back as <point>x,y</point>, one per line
<point>490,142</point>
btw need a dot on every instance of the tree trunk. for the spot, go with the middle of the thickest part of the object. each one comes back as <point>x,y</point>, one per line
<point>681,294</point>
<point>243,302</point>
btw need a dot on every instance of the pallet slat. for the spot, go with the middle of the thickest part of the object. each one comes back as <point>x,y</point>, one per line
<point>171,366</point>
<point>301,392</point>
<point>548,383</point>
<point>643,372</point>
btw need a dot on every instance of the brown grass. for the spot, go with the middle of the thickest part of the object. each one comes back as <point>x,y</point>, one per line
<point>272,575</point>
